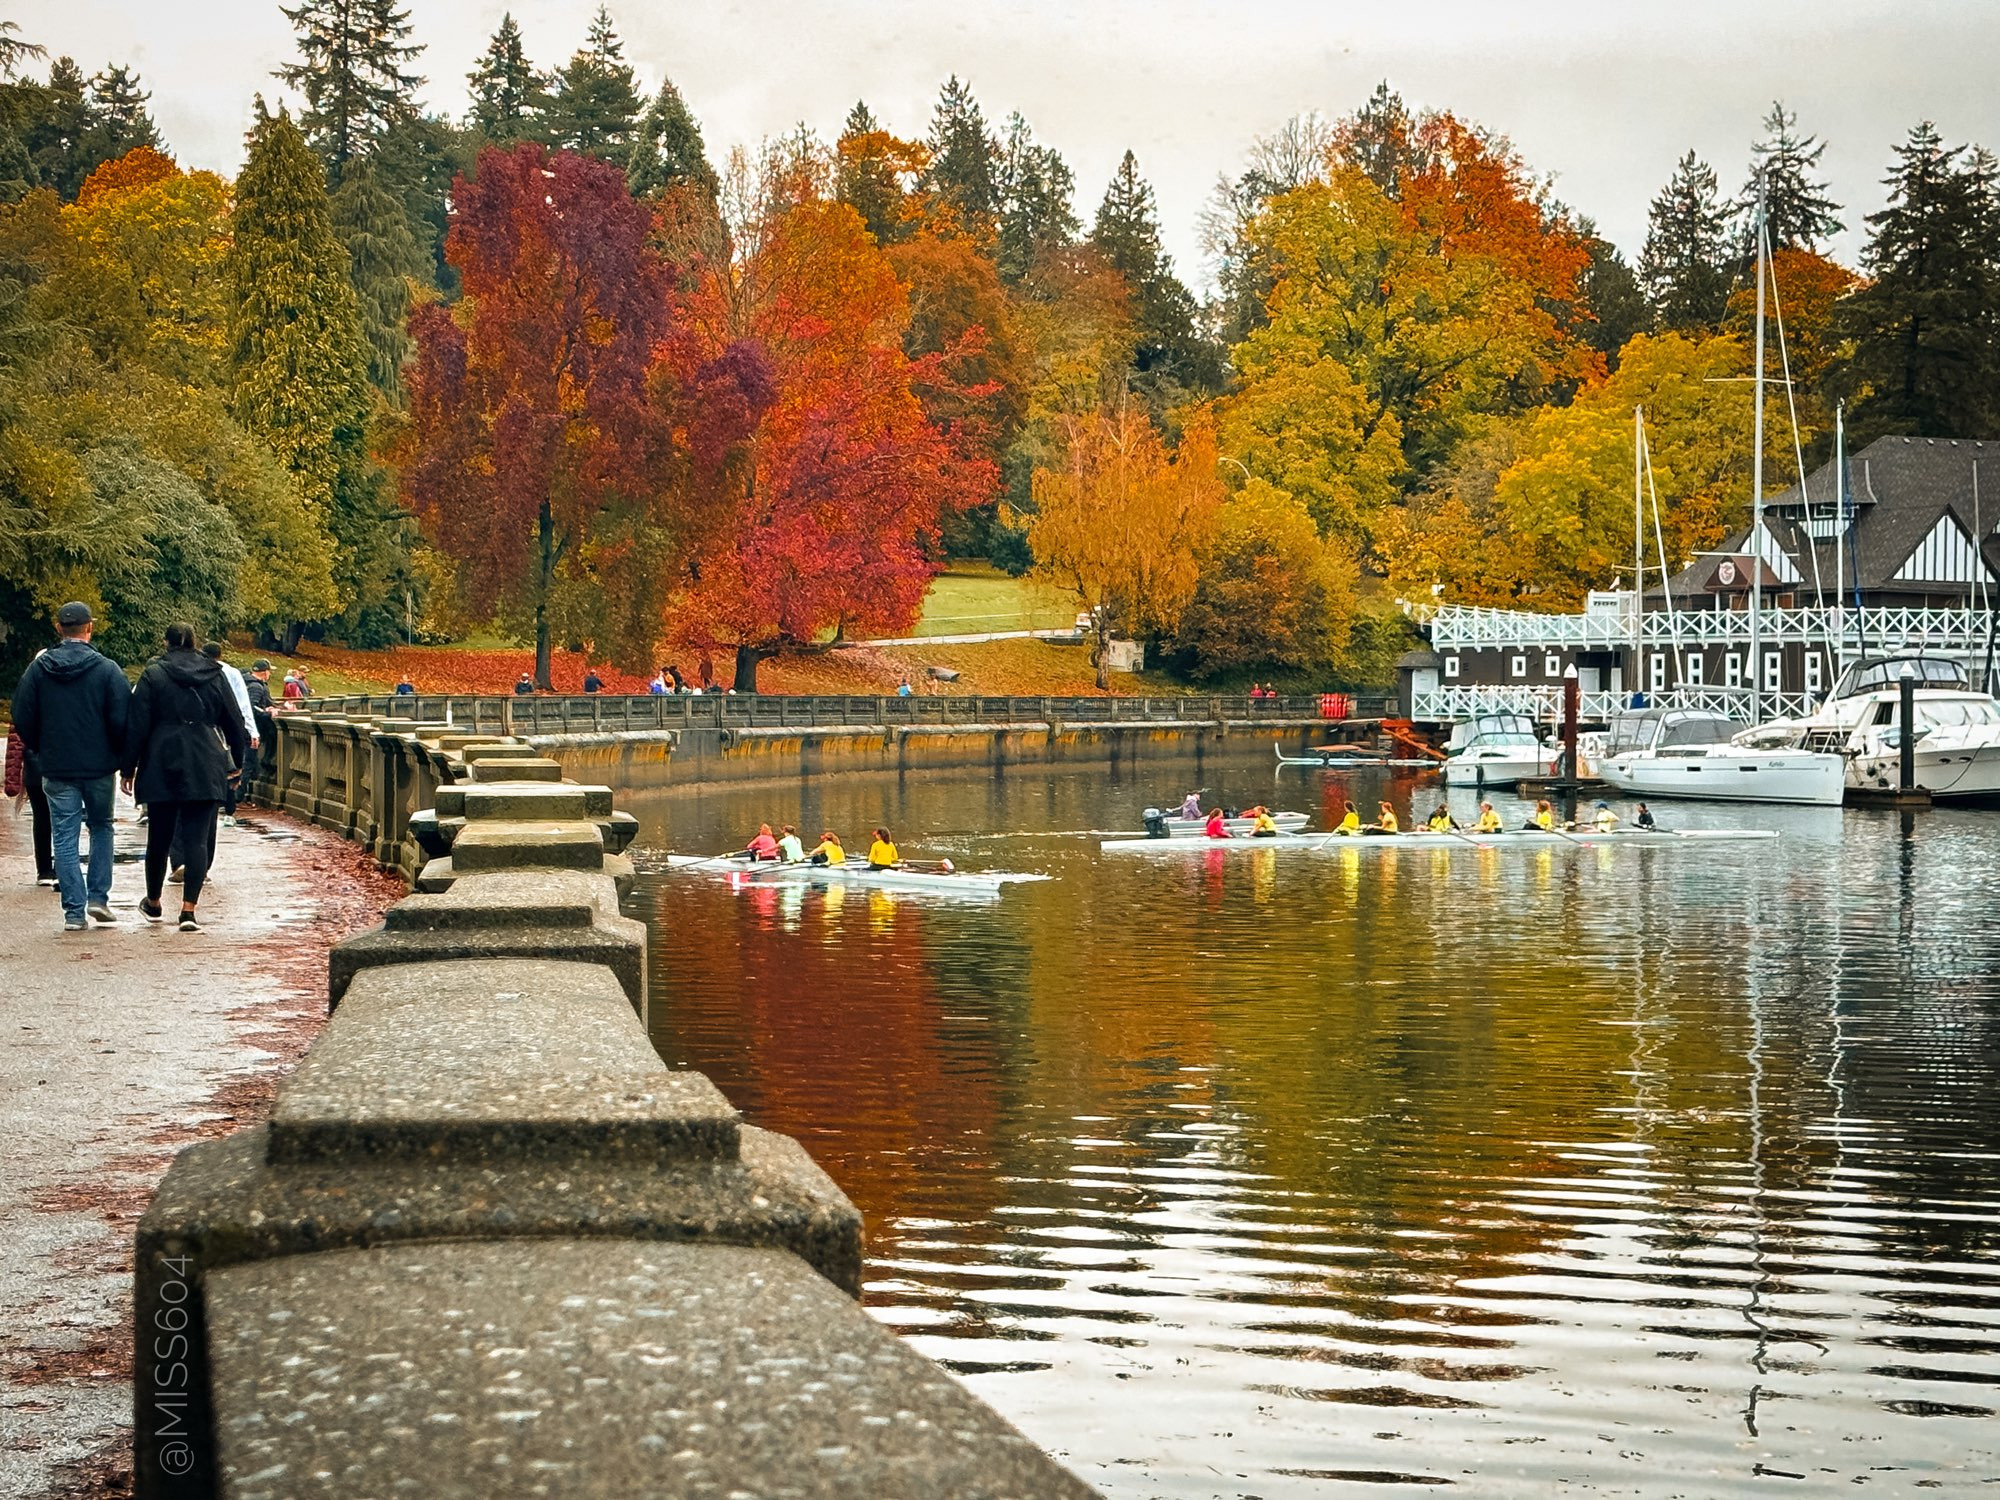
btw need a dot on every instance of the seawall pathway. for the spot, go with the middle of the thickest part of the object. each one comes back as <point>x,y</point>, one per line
<point>117,1048</point>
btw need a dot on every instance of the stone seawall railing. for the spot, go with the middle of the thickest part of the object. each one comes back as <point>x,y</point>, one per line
<point>364,767</point>
<point>487,1243</point>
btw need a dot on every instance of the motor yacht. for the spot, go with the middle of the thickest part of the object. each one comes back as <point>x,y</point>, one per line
<point>1494,749</point>
<point>1687,752</point>
<point>1957,728</point>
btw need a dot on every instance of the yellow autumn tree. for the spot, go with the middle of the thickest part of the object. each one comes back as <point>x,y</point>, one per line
<point>1121,525</point>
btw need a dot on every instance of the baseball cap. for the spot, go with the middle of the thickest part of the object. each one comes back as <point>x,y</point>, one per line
<point>260,665</point>
<point>74,613</point>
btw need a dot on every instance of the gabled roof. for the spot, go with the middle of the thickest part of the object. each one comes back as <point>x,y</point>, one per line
<point>1900,492</point>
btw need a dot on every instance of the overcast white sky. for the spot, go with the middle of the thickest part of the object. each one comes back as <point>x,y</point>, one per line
<point>1602,94</point>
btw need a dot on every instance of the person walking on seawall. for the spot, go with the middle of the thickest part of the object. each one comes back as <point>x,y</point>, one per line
<point>71,710</point>
<point>240,691</point>
<point>258,686</point>
<point>184,744</point>
<point>23,783</point>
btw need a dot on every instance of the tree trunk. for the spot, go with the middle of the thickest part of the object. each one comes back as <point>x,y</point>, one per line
<point>747,658</point>
<point>545,537</point>
<point>1100,655</point>
<point>294,630</point>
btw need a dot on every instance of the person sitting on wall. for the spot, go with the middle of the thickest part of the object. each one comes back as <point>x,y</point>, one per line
<point>592,683</point>
<point>524,685</point>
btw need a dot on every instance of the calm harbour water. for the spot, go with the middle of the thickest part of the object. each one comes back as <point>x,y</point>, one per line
<point>1607,1172</point>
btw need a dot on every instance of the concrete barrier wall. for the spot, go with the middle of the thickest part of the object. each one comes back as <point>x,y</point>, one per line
<point>488,1244</point>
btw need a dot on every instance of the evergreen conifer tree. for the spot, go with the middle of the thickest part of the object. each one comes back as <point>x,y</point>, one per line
<point>1797,207</point>
<point>864,178</point>
<point>963,152</point>
<point>351,71</point>
<point>119,121</point>
<point>297,358</point>
<point>1927,327</point>
<point>1172,358</point>
<point>508,95</point>
<point>594,104</point>
<point>383,258</point>
<point>1684,267</point>
<point>1611,296</point>
<point>668,149</point>
<point>57,131</point>
<point>1037,190</point>
<point>14,50</point>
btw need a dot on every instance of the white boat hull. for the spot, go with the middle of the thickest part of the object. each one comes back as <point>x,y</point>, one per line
<point>1727,774</point>
<point>1946,773</point>
<point>1496,770</point>
<point>855,872</point>
<point>1617,838</point>
<point>1195,828</point>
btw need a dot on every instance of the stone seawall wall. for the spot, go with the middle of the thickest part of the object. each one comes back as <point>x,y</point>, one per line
<point>487,1243</point>
<point>651,761</point>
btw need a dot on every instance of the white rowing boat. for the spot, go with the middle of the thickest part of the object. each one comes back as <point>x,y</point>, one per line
<point>1423,839</point>
<point>1353,757</point>
<point>1194,828</point>
<point>854,872</point>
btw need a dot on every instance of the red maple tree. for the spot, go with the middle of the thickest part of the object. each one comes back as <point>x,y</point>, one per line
<point>834,524</point>
<point>544,455</point>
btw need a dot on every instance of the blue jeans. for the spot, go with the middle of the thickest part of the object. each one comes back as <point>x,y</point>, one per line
<point>72,804</point>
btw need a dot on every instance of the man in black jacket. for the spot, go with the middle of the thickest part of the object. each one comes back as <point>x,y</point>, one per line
<point>258,686</point>
<point>70,710</point>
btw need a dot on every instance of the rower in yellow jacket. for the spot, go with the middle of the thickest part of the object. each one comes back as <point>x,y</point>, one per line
<point>1385,820</point>
<point>1489,820</point>
<point>1441,820</point>
<point>882,853</point>
<point>1350,822</point>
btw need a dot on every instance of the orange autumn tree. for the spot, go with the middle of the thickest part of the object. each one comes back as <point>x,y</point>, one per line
<point>835,523</point>
<point>1121,525</point>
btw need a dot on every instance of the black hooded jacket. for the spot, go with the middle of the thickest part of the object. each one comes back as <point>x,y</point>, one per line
<point>70,711</point>
<point>185,733</point>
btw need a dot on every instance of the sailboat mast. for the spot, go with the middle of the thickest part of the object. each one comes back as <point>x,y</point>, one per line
<point>1840,538</point>
<point>1757,488</point>
<point>1638,548</point>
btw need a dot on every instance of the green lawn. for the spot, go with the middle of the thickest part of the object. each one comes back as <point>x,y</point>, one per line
<point>976,597</point>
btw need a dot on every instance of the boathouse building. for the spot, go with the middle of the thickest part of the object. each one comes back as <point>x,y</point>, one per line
<point>1906,559</point>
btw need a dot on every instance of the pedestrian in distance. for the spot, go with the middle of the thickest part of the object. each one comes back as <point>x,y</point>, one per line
<point>523,685</point>
<point>263,713</point>
<point>184,744</point>
<point>658,686</point>
<point>293,690</point>
<point>904,690</point>
<point>405,688</point>
<point>71,710</point>
<point>240,691</point>
<point>23,782</point>
<point>592,683</point>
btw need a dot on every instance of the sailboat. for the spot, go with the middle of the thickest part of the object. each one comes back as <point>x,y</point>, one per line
<point>1685,752</point>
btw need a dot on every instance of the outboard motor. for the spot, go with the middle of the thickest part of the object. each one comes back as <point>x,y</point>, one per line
<point>1156,823</point>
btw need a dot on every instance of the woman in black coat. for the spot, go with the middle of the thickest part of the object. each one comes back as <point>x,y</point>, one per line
<point>184,744</point>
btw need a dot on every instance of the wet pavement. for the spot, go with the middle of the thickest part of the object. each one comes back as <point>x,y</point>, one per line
<point>118,1047</point>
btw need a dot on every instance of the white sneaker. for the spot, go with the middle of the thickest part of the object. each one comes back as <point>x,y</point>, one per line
<point>229,820</point>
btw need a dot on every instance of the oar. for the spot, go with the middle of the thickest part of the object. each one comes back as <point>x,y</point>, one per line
<point>712,859</point>
<point>1459,833</point>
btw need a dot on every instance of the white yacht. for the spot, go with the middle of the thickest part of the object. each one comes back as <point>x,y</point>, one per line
<point>1687,752</point>
<point>1957,729</point>
<point>1494,749</point>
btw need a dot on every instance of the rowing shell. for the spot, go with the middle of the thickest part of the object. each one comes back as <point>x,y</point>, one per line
<point>1334,757</point>
<point>1658,838</point>
<point>763,872</point>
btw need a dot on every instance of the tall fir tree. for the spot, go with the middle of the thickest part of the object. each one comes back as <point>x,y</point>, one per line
<point>297,357</point>
<point>1685,266</point>
<point>119,120</point>
<point>351,69</point>
<point>1926,328</point>
<point>594,103</point>
<point>1615,305</point>
<point>57,131</point>
<point>865,177</point>
<point>383,258</point>
<point>961,178</point>
<point>16,49</point>
<point>1037,193</point>
<point>1800,212</point>
<point>508,95</point>
<point>668,149</point>
<point>1173,359</point>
